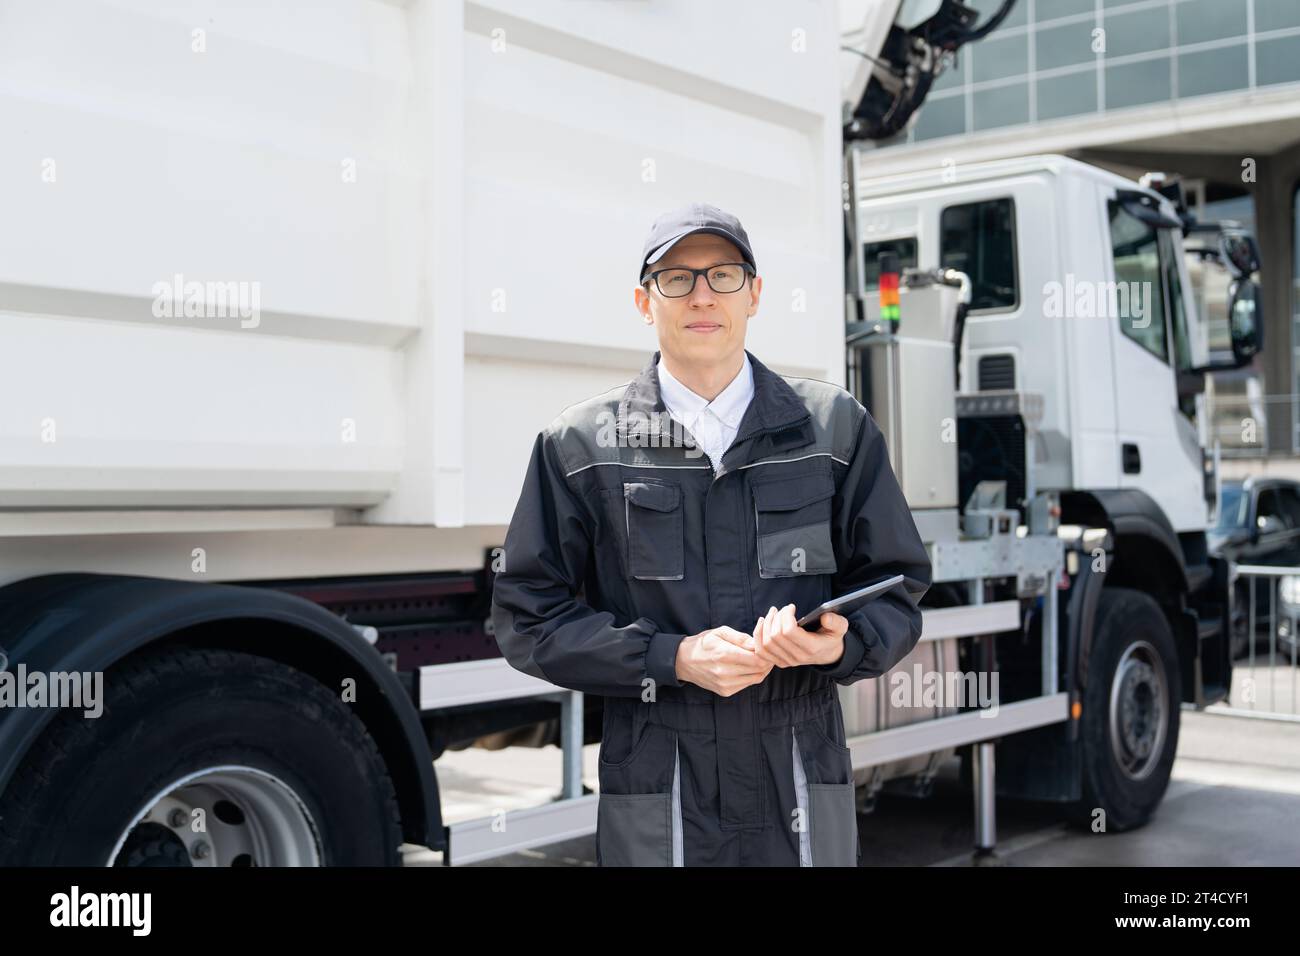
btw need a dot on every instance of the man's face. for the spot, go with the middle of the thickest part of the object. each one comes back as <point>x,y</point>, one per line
<point>704,327</point>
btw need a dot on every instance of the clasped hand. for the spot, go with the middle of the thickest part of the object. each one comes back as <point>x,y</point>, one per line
<point>725,660</point>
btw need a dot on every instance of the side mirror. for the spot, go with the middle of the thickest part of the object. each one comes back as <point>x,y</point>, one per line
<point>1244,321</point>
<point>1240,253</point>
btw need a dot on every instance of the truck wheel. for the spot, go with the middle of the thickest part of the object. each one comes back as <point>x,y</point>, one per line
<point>1129,729</point>
<point>203,758</point>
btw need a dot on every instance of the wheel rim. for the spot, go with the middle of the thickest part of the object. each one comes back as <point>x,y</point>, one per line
<point>250,818</point>
<point>1139,719</point>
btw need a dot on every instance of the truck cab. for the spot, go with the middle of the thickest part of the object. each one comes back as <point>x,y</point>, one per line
<point>1079,294</point>
<point>1077,362</point>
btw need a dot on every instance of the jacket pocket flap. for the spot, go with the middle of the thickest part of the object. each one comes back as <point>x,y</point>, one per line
<point>786,494</point>
<point>656,497</point>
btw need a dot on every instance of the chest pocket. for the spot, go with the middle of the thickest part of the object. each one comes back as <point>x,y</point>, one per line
<point>792,519</point>
<point>656,531</point>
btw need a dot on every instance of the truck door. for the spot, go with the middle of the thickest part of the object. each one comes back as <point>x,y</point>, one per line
<point>1158,446</point>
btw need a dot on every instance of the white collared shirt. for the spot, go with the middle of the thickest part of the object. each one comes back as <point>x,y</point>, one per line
<point>712,423</point>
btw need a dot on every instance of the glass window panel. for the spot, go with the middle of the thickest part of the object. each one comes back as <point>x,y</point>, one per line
<point>1002,106</point>
<point>1067,95</point>
<point>979,239</point>
<point>1137,32</point>
<point>1177,311</point>
<point>1136,254</point>
<point>1131,84</point>
<point>941,116</point>
<point>1045,10</point>
<point>1233,507</point>
<point>1201,20</point>
<point>1277,61</point>
<point>1064,45</point>
<point>995,58</point>
<point>1295,288</point>
<point>1240,208</point>
<point>1209,280</point>
<point>1213,71</point>
<point>1276,15</point>
<point>951,78</point>
<point>1290,507</point>
<point>1018,16</point>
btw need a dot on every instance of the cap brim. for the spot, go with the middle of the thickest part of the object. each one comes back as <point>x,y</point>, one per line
<point>712,230</point>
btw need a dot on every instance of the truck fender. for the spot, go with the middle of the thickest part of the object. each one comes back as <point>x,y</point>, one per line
<point>87,622</point>
<point>1129,513</point>
<point>1137,525</point>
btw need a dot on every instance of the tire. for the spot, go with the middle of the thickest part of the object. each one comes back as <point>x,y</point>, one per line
<point>1125,770</point>
<point>285,772</point>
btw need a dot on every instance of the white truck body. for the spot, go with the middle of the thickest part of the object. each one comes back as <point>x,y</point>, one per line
<point>434,209</point>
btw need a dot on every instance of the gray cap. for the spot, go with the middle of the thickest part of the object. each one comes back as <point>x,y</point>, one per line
<point>695,217</point>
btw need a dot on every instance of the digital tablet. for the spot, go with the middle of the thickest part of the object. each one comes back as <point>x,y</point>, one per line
<point>848,603</point>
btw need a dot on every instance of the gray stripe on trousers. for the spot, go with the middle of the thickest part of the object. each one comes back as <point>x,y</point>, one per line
<point>801,801</point>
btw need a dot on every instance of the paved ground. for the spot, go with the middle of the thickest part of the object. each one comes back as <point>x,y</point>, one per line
<point>1233,801</point>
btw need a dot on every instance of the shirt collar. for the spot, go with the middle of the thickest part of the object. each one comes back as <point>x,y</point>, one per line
<point>775,406</point>
<point>729,405</point>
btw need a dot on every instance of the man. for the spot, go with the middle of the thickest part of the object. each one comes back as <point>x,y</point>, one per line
<point>669,533</point>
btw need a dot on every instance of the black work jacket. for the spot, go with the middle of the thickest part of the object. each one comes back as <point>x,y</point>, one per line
<point>624,540</point>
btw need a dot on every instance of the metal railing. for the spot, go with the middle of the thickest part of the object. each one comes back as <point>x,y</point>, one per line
<point>1265,613</point>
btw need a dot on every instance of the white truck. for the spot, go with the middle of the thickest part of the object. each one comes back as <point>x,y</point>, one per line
<point>286,306</point>
<point>1077,407</point>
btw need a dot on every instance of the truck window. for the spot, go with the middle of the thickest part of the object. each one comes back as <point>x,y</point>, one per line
<point>904,248</point>
<point>979,239</point>
<point>1171,254</point>
<point>1139,294</point>
<point>1177,308</point>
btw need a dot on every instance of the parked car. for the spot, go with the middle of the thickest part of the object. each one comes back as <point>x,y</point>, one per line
<point>1259,523</point>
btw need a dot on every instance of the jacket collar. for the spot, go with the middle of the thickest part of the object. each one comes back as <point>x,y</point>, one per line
<point>775,404</point>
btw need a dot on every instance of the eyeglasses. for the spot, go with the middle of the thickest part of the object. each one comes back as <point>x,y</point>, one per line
<point>723,278</point>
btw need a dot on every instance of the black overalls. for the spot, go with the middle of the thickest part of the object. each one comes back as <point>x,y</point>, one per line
<point>624,540</point>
